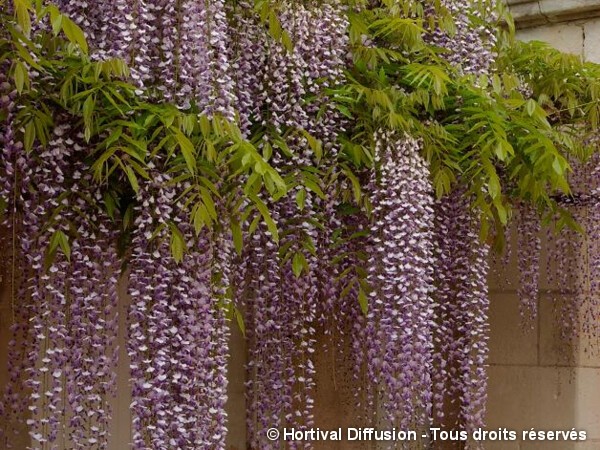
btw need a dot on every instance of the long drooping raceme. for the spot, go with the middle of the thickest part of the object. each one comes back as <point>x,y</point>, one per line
<point>177,340</point>
<point>67,314</point>
<point>399,321</point>
<point>461,309</point>
<point>573,271</point>
<point>528,254</point>
<point>461,259</point>
<point>282,289</point>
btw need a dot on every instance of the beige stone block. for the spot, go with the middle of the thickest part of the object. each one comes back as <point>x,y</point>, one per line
<point>565,37</point>
<point>526,13</point>
<point>587,402</point>
<point>523,397</point>
<point>509,342</point>
<point>544,398</point>
<point>518,2</point>
<point>568,9</point>
<point>591,45</point>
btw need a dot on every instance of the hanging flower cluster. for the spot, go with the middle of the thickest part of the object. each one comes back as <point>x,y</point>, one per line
<point>574,267</point>
<point>461,314</point>
<point>399,321</point>
<point>460,379</point>
<point>177,339</point>
<point>67,320</point>
<point>208,232</point>
<point>528,254</point>
<point>282,289</point>
<point>470,46</point>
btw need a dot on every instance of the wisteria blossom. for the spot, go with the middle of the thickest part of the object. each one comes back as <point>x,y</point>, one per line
<point>396,288</point>
<point>399,321</point>
<point>461,259</point>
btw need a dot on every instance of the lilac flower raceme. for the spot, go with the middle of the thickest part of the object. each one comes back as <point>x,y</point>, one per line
<point>66,302</point>
<point>461,259</point>
<point>273,85</point>
<point>177,333</point>
<point>461,310</point>
<point>528,254</point>
<point>399,320</point>
<point>573,270</point>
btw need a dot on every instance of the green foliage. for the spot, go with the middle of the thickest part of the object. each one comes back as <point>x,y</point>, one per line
<point>483,134</point>
<point>487,135</point>
<point>127,134</point>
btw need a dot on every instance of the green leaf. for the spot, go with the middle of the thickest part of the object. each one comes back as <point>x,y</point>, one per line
<point>199,217</point>
<point>187,149</point>
<point>132,179</point>
<point>21,76</point>
<point>205,126</point>
<point>58,240</point>
<point>363,301</point>
<point>356,188</point>
<point>314,187</point>
<point>236,233</point>
<point>299,264</point>
<point>275,26</point>
<point>239,318</point>
<point>178,246</point>
<point>55,19</point>
<point>266,215</point>
<point>315,145</point>
<point>253,225</point>
<point>300,199</point>
<point>286,40</point>
<point>530,107</point>
<point>74,33</point>
<point>208,203</point>
<point>110,205</point>
<point>29,137</point>
<point>501,211</point>
<point>557,166</point>
<point>23,18</point>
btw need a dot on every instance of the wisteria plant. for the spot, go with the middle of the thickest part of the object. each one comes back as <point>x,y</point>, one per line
<point>334,168</point>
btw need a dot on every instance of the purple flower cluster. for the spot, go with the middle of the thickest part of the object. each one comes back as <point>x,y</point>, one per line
<point>177,49</point>
<point>461,314</point>
<point>399,321</point>
<point>67,318</point>
<point>573,270</point>
<point>272,87</point>
<point>177,340</point>
<point>461,259</point>
<point>470,46</point>
<point>528,253</point>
